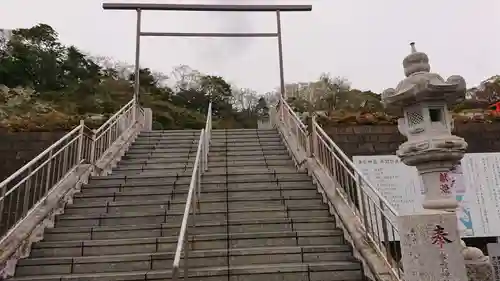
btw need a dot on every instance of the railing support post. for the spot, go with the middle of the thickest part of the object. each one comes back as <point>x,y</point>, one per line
<point>92,148</point>
<point>134,111</point>
<point>280,109</point>
<point>48,177</point>
<point>313,137</point>
<point>80,142</point>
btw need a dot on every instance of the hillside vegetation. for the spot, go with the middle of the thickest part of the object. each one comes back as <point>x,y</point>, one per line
<point>45,85</point>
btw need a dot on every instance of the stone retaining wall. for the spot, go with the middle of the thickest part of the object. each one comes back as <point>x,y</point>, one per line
<point>384,140</point>
<point>17,149</point>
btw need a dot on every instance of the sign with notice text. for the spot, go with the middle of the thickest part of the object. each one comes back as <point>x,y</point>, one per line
<point>494,254</point>
<point>475,182</point>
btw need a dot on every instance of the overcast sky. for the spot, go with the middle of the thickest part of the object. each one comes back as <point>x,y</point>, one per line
<point>362,40</point>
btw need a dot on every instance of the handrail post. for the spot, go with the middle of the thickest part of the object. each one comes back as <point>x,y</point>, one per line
<point>281,105</point>
<point>198,190</point>
<point>134,113</point>
<point>362,197</point>
<point>48,175</point>
<point>92,148</point>
<point>203,150</point>
<point>314,136</point>
<point>27,190</point>
<point>80,141</point>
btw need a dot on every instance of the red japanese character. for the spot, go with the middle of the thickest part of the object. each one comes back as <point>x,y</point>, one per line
<point>440,237</point>
<point>443,177</point>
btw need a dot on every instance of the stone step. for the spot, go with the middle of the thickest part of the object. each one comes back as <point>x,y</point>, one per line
<point>178,169</point>
<point>172,139</point>
<point>167,140</point>
<point>214,142</point>
<point>198,242</point>
<point>180,193</point>
<point>149,155</point>
<point>311,271</point>
<point>169,160</point>
<point>243,131</point>
<point>173,150</point>
<point>176,159</point>
<point>249,147</point>
<point>248,152</point>
<point>170,132</point>
<point>157,204</point>
<point>157,134</point>
<point>197,258</point>
<point>185,177</point>
<point>152,166</point>
<point>271,164</point>
<point>175,216</point>
<point>172,229</point>
<point>132,172</point>
<point>230,158</point>
<point>166,143</point>
<point>254,137</point>
<point>169,136</point>
<point>207,179</point>
<point>181,157</point>
<point>162,187</point>
<point>144,164</point>
<point>153,146</point>
<point>239,140</point>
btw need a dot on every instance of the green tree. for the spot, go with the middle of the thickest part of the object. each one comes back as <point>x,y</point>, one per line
<point>33,57</point>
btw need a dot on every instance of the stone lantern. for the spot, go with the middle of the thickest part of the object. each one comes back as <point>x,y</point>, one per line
<point>430,242</point>
<point>422,100</point>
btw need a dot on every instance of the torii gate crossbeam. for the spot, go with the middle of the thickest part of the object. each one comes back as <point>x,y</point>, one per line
<point>139,7</point>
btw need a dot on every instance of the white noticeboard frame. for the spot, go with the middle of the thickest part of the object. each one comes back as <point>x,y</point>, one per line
<point>494,254</point>
<point>475,183</point>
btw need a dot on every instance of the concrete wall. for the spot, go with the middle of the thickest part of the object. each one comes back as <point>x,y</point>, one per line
<point>384,140</point>
<point>16,149</point>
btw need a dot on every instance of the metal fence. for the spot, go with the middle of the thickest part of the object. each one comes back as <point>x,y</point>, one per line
<point>112,129</point>
<point>23,191</point>
<point>193,200</point>
<point>376,214</point>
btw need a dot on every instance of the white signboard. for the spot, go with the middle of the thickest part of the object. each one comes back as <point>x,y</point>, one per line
<point>475,183</point>
<point>494,254</point>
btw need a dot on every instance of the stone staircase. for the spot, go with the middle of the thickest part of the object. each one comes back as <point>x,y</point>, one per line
<point>259,218</point>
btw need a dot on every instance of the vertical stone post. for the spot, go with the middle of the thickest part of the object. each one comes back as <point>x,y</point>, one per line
<point>430,241</point>
<point>148,120</point>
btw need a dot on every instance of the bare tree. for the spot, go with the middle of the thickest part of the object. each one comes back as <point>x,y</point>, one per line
<point>272,98</point>
<point>185,77</point>
<point>488,90</point>
<point>244,99</point>
<point>331,88</point>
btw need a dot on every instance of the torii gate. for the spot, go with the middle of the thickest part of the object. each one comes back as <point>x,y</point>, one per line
<point>139,7</point>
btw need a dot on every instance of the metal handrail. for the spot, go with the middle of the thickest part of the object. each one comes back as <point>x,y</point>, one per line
<point>208,135</point>
<point>349,163</point>
<point>193,198</point>
<point>23,191</point>
<point>38,157</point>
<point>112,129</point>
<point>191,207</point>
<point>114,116</point>
<point>375,213</point>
